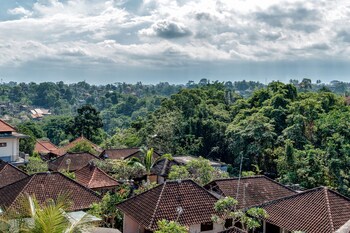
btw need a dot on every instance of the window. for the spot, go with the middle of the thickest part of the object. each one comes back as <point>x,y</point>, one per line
<point>228,223</point>
<point>3,144</point>
<point>207,226</point>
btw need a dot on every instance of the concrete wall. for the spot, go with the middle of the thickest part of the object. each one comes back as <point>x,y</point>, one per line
<point>11,149</point>
<point>131,226</point>
<point>197,228</point>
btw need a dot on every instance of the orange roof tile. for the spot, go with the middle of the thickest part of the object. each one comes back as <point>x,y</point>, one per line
<point>5,127</point>
<point>94,178</point>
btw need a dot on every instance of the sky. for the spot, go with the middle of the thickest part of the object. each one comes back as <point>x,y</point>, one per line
<point>151,41</point>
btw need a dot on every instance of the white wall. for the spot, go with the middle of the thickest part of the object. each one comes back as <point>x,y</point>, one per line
<point>197,228</point>
<point>11,149</point>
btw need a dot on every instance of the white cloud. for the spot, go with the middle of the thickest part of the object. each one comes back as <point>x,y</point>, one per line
<point>168,32</point>
<point>20,11</point>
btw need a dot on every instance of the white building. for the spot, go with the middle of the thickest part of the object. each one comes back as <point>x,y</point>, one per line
<point>9,144</point>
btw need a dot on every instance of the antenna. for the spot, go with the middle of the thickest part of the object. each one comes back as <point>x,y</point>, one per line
<point>239,175</point>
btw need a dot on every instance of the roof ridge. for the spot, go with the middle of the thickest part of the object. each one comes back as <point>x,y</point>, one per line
<point>156,207</point>
<point>290,196</point>
<point>14,129</point>
<point>251,177</point>
<point>110,177</point>
<point>25,186</point>
<point>325,190</point>
<point>92,176</point>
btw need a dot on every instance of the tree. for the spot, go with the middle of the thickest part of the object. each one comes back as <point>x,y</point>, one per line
<point>87,123</point>
<point>165,226</point>
<point>226,209</point>
<point>111,216</point>
<point>35,165</point>
<point>83,146</point>
<point>200,170</point>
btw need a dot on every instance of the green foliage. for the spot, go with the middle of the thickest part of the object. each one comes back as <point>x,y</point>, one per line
<point>83,146</point>
<point>145,186</point>
<point>165,226</point>
<point>226,209</point>
<point>88,123</point>
<point>35,165</point>
<point>49,216</point>
<point>198,169</point>
<point>69,174</point>
<point>111,216</point>
<point>121,169</point>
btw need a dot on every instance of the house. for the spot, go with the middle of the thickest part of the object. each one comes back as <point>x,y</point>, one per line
<point>183,201</point>
<point>233,230</point>
<point>9,144</point>
<point>71,161</point>
<point>125,153</point>
<point>313,211</point>
<point>94,178</point>
<point>10,174</point>
<point>63,150</point>
<point>44,147</point>
<point>161,169</point>
<point>249,191</point>
<point>48,185</point>
<point>39,113</point>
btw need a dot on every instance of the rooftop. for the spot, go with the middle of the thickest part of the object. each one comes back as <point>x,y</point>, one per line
<point>44,146</point>
<point>313,211</point>
<point>183,200</point>
<point>94,178</point>
<point>45,186</point>
<point>73,161</point>
<point>10,174</point>
<point>5,127</point>
<point>63,150</point>
<point>251,191</point>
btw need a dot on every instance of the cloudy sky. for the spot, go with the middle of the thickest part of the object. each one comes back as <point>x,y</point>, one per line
<point>174,40</point>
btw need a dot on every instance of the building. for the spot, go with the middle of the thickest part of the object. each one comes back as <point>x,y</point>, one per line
<point>249,191</point>
<point>125,153</point>
<point>184,159</point>
<point>63,150</point>
<point>94,178</point>
<point>313,211</point>
<point>183,201</point>
<point>44,148</point>
<point>46,186</point>
<point>9,144</point>
<point>10,174</point>
<point>71,161</point>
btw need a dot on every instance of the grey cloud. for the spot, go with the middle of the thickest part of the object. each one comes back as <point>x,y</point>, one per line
<point>297,18</point>
<point>344,36</point>
<point>203,16</point>
<point>169,30</point>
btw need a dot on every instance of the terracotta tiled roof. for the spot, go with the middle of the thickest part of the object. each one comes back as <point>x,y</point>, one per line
<point>44,147</point>
<point>119,153</point>
<point>233,230</point>
<point>63,150</point>
<point>77,161</point>
<point>313,211</point>
<point>163,201</point>
<point>10,174</point>
<point>253,190</point>
<point>94,178</point>
<point>45,186</point>
<point>4,127</point>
